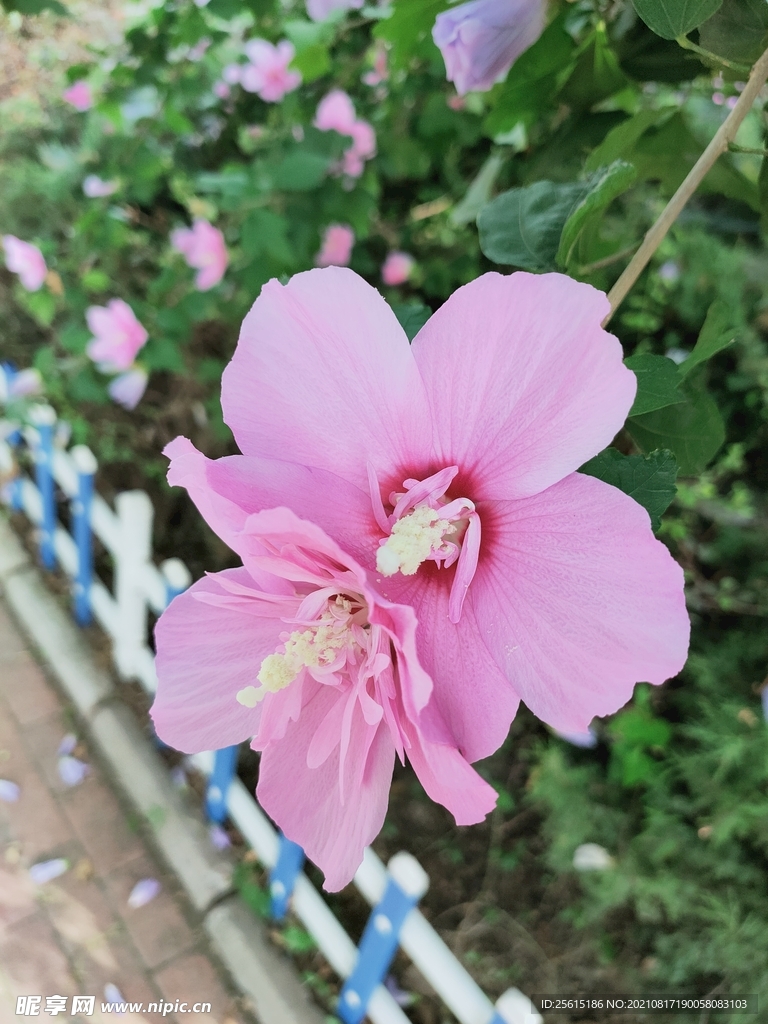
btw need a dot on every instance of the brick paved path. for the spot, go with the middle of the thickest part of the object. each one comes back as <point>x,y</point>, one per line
<point>76,934</point>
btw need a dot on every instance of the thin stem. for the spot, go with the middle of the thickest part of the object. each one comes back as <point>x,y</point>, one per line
<point>733,148</point>
<point>686,44</point>
<point>606,261</point>
<point>719,144</point>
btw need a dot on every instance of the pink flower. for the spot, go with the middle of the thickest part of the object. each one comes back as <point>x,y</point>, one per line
<point>198,51</point>
<point>221,90</point>
<point>95,187</point>
<point>297,650</point>
<point>26,260</point>
<point>79,95</point>
<point>337,246</point>
<point>397,268</point>
<point>267,74</point>
<point>481,40</point>
<point>127,389</point>
<point>447,468</point>
<point>319,10</point>
<point>232,73</point>
<point>380,72</point>
<point>203,247</point>
<point>117,335</point>
<point>336,112</point>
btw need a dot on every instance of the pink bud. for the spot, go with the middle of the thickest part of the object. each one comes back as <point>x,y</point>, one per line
<point>397,268</point>
<point>481,40</point>
<point>79,95</point>
<point>337,246</point>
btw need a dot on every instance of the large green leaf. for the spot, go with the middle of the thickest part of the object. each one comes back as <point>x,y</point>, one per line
<point>672,18</point>
<point>621,140</point>
<point>716,334</point>
<point>657,383</point>
<point>738,31</point>
<point>649,479</point>
<point>604,186</point>
<point>597,74</point>
<point>522,227</point>
<point>693,430</point>
<point>300,171</point>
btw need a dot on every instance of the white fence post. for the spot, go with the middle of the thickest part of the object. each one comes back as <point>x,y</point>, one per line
<point>134,511</point>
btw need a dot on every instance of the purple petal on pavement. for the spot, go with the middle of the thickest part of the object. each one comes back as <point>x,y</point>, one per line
<point>68,744</point>
<point>143,892</point>
<point>113,995</point>
<point>72,771</point>
<point>47,870</point>
<point>219,837</point>
<point>9,791</point>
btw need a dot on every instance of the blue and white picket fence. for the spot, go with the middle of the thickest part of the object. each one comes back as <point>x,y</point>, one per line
<point>139,586</point>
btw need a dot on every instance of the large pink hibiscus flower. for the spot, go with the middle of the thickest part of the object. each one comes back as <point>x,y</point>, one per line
<point>296,650</point>
<point>447,469</point>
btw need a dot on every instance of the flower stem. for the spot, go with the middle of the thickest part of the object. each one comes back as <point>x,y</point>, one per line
<point>686,44</point>
<point>719,144</point>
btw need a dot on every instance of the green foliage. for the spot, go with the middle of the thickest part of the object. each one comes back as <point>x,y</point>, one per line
<point>34,6</point>
<point>658,380</point>
<point>649,479</point>
<point>738,31</point>
<point>673,18</point>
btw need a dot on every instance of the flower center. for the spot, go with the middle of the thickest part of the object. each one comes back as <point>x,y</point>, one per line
<point>323,647</point>
<point>424,525</point>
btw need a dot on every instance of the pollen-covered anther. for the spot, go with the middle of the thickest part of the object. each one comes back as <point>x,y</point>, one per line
<point>414,538</point>
<point>317,647</point>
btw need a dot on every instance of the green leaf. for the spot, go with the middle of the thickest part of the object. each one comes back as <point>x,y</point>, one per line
<point>672,18</point>
<point>312,62</point>
<point>300,171</point>
<point>522,227</point>
<point>409,27</point>
<point>479,191</point>
<point>693,430</point>
<point>649,479</point>
<point>738,31</point>
<point>35,6</point>
<point>716,334</point>
<point>658,379</point>
<point>95,281</point>
<point>162,354</point>
<point>42,306</point>
<point>604,186</point>
<point>620,141</point>
<point>412,317</point>
<point>597,74</point>
<point>264,231</point>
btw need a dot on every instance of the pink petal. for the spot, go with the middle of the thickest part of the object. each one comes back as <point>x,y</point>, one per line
<point>305,802</point>
<point>448,779</point>
<point>205,655</point>
<point>472,703</point>
<point>143,892</point>
<point>579,601</point>
<point>323,364</point>
<point>524,383</point>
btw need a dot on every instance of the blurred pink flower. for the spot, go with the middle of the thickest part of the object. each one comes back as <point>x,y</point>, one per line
<point>481,40</point>
<point>26,260</point>
<point>380,72</point>
<point>318,10</point>
<point>397,268</point>
<point>95,187</point>
<point>117,335</point>
<point>448,469</point>
<point>267,74</point>
<point>79,95</point>
<point>297,650</point>
<point>198,51</point>
<point>203,247</point>
<point>232,73</point>
<point>336,112</point>
<point>127,389</point>
<point>222,90</point>
<point>337,246</point>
